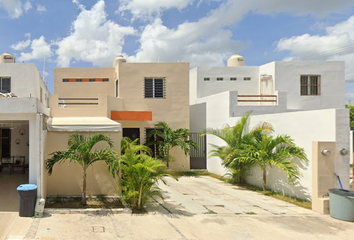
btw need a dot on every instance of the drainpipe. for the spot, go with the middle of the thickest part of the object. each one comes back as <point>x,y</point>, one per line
<point>40,160</point>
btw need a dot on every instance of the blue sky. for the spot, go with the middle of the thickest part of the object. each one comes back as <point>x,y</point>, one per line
<point>91,33</point>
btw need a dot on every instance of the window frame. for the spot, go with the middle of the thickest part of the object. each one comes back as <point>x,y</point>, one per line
<point>307,88</point>
<point>154,87</point>
<point>1,84</point>
<point>220,79</point>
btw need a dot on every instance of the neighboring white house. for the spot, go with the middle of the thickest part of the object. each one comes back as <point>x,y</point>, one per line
<point>302,99</point>
<point>22,117</point>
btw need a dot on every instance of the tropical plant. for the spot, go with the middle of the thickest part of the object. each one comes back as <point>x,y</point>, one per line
<point>267,151</point>
<point>171,138</point>
<point>351,114</point>
<point>237,138</point>
<point>81,150</point>
<point>138,174</point>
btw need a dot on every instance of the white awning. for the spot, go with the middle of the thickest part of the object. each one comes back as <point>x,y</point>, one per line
<point>83,124</point>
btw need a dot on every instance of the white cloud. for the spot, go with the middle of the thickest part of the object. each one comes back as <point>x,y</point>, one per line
<point>336,44</point>
<point>147,8</point>
<point>41,8</point>
<point>40,50</point>
<point>15,8</point>
<point>190,42</point>
<point>93,38</point>
<point>21,45</point>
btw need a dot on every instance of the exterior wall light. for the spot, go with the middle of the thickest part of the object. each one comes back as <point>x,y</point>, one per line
<point>344,151</point>
<point>326,152</point>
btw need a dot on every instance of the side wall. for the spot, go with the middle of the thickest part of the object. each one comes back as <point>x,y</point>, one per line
<point>303,127</point>
<point>67,177</point>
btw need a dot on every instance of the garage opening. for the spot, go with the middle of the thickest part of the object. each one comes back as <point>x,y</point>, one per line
<point>14,162</point>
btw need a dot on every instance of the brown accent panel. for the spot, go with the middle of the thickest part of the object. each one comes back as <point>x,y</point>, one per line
<point>131,115</point>
<point>85,79</point>
<point>72,79</point>
<point>98,79</point>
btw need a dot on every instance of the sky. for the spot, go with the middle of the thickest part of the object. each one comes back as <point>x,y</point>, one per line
<point>91,33</point>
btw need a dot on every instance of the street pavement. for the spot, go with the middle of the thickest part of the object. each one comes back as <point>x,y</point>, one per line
<point>194,208</point>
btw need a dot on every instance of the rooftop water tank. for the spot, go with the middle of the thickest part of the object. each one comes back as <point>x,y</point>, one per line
<point>119,59</point>
<point>7,58</point>
<point>235,60</point>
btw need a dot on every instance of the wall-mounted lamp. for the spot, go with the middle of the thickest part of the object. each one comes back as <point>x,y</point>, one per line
<point>343,151</point>
<point>326,152</point>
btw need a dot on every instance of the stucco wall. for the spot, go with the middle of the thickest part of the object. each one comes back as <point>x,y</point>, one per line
<point>83,89</point>
<point>205,88</point>
<point>287,78</point>
<point>25,80</point>
<point>67,177</point>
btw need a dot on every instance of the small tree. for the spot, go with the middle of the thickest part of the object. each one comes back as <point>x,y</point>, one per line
<point>171,138</point>
<point>81,151</point>
<point>138,174</point>
<point>237,138</point>
<point>267,151</point>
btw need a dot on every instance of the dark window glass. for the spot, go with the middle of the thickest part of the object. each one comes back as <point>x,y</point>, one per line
<point>78,80</point>
<point>117,88</point>
<point>233,79</point>
<point>309,85</point>
<point>5,85</point>
<point>219,79</point>
<point>65,80</point>
<point>105,80</point>
<point>206,79</point>
<point>92,80</point>
<point>247,79</point>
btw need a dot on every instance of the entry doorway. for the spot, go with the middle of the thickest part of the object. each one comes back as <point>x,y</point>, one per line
<point>132,133</point>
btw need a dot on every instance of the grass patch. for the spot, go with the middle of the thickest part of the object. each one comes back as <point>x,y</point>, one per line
<point>293,200</point>
<point>270,193</point>
<point>62,202</point>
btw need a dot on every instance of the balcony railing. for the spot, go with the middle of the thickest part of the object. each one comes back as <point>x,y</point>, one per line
<point>258,99</point>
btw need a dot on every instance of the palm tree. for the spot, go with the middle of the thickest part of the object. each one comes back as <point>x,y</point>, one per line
<point>138,174</point>
<point>237,138</point>
<point>171,138</point>
<point>81,151</point>
<point>280,151</point>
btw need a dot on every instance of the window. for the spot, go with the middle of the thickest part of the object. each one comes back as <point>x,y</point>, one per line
<point>5,84</point>
<point>233,79</point>
<point>206,79</point>
<point>219,79</point>
<point>78,80</point>
<point>92,80</point>
<point>41,94</point>
<point>117,88</point>
<point>247,78</point>
<point>65,80</point>
<point>310,85</point>
<point>155,88</point>
<point>105,79</point>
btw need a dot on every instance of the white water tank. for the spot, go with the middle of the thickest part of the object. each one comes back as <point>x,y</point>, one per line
<point>7,58</point>
<point>235,60</point>
<point>119,59</point>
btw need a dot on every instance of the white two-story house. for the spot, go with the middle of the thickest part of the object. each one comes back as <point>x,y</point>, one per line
<point>24,107</point>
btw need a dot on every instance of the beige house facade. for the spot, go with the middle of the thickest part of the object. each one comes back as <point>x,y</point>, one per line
<point>123,101</point>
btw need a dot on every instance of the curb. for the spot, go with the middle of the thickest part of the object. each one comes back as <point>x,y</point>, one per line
<point>87,211</point>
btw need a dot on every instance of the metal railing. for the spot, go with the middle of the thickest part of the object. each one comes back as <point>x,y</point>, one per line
<point>257,98</point>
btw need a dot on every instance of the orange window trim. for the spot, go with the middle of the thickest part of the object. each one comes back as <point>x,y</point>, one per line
<point>131,115</point>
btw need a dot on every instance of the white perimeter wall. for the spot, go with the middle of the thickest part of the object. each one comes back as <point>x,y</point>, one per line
<point>304,127</point>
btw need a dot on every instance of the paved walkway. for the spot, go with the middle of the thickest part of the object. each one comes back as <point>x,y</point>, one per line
<point>194,208</point>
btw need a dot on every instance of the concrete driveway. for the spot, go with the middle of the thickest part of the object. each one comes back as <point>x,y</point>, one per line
<point>194,208</point>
